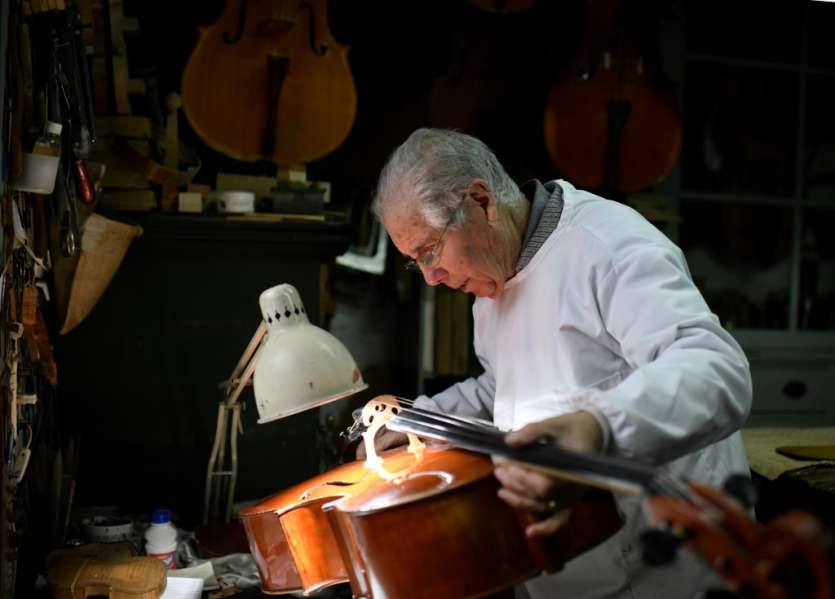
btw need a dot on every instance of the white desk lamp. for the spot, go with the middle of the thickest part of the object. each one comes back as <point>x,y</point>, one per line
<point>296,366</point>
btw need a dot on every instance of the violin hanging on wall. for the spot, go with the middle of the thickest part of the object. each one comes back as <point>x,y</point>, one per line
<point>267,81</point>
<point>610,124</point>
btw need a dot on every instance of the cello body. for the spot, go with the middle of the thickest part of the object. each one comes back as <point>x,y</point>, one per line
<point>611,122</point>
<point>439,531</point>
<point>267,81</point>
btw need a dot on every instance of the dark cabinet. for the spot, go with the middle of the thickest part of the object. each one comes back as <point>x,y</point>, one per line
<point>139,378</point>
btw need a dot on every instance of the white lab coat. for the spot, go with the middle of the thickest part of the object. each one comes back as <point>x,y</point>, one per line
<point>605,318</point>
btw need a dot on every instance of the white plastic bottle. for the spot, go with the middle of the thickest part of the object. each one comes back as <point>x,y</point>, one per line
<point>40,166</point>
<point>161,539</point>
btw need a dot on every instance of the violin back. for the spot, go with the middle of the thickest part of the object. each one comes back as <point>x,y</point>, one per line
<point>267,81</point>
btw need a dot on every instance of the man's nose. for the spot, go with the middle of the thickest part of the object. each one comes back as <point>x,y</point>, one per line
<point>434,275</point>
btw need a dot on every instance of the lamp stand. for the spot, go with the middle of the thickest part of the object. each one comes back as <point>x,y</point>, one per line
<point>229,418</point>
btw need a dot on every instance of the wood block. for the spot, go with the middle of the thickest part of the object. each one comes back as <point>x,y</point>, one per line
<point>189,201</point>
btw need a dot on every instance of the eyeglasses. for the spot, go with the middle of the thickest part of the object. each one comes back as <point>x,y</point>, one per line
<point>429,257</point>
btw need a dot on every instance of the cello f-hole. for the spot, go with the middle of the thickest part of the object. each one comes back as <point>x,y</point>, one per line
<point>323,48</point>
<point>241,22</point>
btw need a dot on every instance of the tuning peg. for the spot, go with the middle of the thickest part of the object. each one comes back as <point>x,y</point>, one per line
<point>741,488</point>
<point>659,546</point>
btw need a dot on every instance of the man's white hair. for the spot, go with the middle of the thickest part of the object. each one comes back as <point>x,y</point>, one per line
<point>433,169</point>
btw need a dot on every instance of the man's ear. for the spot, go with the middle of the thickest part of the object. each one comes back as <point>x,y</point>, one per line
<point>479,190</point>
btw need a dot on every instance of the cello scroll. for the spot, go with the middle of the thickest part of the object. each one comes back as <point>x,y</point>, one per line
<point>788,557</point>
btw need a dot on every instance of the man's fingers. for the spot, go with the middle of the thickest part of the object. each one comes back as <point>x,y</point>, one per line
<point>578,431</point>
<point>361,450</point>
<point>523,502</point>
<point>525,435</point>
<point>384,440</point>
<point>549,525</point>
<point>525,482</point>
<point>390,439</point>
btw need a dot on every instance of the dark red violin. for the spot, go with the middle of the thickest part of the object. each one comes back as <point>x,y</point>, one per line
<point>611,124</point>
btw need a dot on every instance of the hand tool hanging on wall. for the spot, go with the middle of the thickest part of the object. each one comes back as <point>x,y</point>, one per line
<point>63,107</point>
<point>75,92</point>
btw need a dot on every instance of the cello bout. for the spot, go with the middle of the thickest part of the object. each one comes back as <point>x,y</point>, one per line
<point>282,91</point>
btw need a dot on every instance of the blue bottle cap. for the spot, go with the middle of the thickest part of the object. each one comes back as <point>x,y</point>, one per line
<point>161,516</point>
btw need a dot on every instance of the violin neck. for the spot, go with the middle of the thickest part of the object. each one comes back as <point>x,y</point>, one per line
<point>612,473</point>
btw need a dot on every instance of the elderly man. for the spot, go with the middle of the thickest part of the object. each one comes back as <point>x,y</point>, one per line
<point>590,331</point>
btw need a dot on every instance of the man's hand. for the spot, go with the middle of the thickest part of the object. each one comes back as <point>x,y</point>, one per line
<point>532,490</point>
<point>384,440</point>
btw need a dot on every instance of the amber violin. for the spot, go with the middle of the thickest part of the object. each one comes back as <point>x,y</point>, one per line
<point>268,81</point>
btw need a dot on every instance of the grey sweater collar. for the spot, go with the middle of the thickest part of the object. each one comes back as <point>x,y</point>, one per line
<point>546,209</point>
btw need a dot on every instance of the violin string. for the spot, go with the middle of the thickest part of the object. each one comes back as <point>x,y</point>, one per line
<point>662,480</point>
<point>405,400</point>
<point>488,439</point>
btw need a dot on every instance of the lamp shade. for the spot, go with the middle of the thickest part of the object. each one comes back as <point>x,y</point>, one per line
<point>299,365</point>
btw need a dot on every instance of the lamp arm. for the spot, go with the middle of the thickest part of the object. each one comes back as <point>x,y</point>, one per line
<point>246,365</point>
<point>232,390</point>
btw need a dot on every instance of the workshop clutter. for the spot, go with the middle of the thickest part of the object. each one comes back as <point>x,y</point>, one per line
<point>115,554</point>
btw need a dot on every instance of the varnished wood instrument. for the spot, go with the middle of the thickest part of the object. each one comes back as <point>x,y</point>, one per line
<point>430,523</point>
<point>267,81</point>
<point>610,125</point>
<point>440,531</point>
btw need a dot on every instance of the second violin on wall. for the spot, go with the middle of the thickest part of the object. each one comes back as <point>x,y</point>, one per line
<point>267,81</point>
